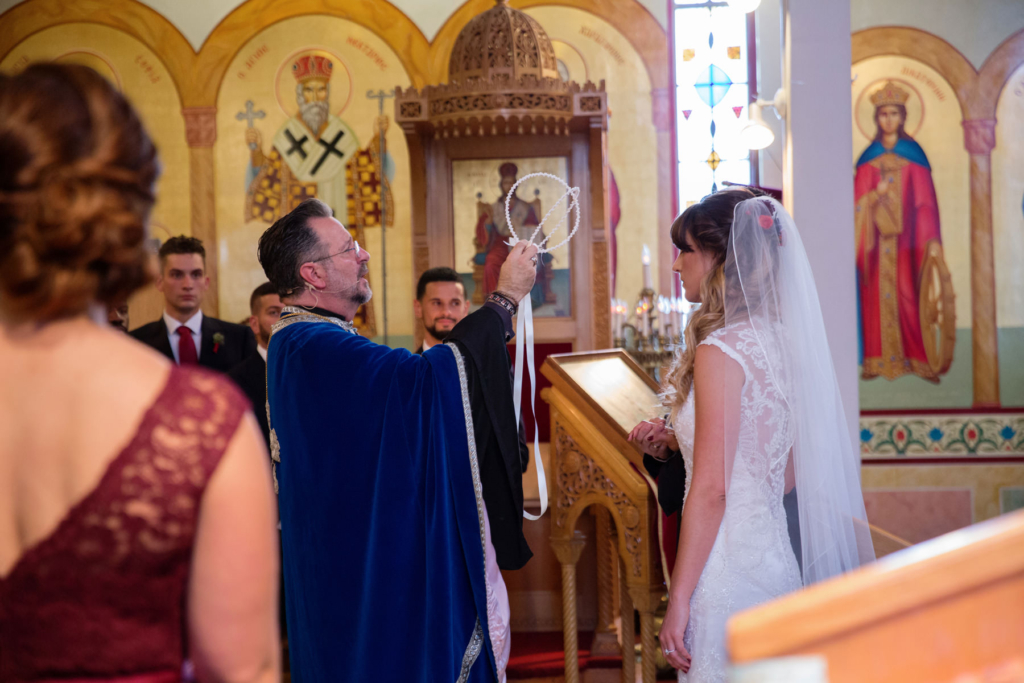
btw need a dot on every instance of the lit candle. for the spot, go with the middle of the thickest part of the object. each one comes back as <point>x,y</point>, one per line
<point>646,260</point>
<point>662,316</point>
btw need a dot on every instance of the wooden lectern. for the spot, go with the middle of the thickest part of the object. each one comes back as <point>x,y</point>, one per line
<point>950,609</point>
<point>596,398</point>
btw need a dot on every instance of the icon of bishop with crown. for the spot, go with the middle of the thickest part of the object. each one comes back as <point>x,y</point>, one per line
<point>309,153</point>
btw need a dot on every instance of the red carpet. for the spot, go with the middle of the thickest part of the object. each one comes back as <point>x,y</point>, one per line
<point>535,655</point>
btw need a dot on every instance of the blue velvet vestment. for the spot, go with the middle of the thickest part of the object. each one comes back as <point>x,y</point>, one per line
<point>381,510</point>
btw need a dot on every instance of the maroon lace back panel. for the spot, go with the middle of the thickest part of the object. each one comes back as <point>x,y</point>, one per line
<point>103,597</point>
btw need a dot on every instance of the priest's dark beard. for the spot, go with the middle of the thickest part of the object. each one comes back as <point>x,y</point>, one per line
<point>361,297</point>
<point>358,295</point>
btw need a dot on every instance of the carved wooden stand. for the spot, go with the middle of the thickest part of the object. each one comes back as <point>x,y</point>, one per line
<point>592,468</point>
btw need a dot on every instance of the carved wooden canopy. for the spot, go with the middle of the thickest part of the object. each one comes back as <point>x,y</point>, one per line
<point>502,44</point>
<point>502,79</point>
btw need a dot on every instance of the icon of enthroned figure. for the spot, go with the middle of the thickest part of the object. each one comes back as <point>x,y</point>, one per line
<point>309,153</point>
<point>907,316</point>
<point>492,233</point>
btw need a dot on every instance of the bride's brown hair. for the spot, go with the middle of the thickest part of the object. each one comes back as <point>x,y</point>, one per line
<point>76,189</point>
<point>708,224</point>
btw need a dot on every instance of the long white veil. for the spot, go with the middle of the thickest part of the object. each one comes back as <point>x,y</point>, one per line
<point>768,282</point>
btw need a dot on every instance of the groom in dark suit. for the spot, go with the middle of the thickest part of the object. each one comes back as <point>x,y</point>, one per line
<point>251,374</point>
<point>184,334</point>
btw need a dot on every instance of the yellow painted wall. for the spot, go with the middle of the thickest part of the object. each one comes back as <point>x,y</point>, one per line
<point>145,81</point>
<point>366,62</point>
<point>593,49</point>
<point>1007,200</point>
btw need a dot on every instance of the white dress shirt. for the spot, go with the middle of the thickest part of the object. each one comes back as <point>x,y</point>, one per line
<point>195,324</point>
<point>262,350</point>
<point>426,344</point>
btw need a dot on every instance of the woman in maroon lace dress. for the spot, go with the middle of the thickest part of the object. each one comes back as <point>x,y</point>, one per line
<point>137,520</point>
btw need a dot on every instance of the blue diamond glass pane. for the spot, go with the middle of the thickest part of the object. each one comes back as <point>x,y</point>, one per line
<point>712,85</point>
<point>730,29</point>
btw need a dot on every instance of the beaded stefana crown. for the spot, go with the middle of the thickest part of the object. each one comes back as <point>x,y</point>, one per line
<point>890,94</point>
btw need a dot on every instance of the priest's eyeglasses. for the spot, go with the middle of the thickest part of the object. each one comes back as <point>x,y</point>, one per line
<point>354,247</point>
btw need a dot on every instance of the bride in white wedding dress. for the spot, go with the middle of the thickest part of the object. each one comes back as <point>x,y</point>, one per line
<point>755,412</point>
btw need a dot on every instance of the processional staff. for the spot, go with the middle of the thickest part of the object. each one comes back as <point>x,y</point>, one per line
<point>380,96</point>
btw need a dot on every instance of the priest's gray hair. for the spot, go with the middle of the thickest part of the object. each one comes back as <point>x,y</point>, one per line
<point>289,243</point>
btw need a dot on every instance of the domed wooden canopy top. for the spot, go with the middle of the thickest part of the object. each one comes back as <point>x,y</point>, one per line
<point>502,79</point>
<point>502,44</point>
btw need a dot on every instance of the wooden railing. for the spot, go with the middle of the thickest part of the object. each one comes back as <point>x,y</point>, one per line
<point>950,609</point>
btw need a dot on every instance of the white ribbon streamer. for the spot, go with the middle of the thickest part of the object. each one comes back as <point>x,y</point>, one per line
<point>524,322</point>
<point>524,336</point>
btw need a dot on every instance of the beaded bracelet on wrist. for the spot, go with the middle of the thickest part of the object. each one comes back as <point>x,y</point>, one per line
<point>504,302</point>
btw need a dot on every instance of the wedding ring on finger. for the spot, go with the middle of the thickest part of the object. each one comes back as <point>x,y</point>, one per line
<point>668,652</point>
<point>533,260</point>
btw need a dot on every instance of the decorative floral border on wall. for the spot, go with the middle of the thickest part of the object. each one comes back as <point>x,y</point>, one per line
<point>930,436</point>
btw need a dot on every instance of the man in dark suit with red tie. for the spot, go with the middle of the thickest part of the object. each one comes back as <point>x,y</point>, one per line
<point>184,334</point>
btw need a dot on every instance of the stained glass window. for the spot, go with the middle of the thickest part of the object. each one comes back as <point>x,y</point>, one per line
<point>712,93</point>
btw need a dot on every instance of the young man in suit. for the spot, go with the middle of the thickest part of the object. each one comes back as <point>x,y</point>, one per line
<point>251,374</point>
<point>184,334</point>
<point>440,304</point>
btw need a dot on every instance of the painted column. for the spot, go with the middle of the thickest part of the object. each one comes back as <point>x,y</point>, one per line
<point>818,171</point>
<point>661,110</point>
<point>980,139</point>
<point>201,133</point>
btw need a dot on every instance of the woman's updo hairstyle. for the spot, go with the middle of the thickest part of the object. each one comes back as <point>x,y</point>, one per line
<point>76,189</point>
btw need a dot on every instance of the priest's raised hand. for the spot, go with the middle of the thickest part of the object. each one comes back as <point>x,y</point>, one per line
<point>399,478</point>
<point>519,271</point>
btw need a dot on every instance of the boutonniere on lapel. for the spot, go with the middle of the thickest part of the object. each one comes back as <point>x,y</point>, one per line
<point>218,339</point>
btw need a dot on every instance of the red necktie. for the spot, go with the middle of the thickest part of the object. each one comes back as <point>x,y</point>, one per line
<point>186,347</point>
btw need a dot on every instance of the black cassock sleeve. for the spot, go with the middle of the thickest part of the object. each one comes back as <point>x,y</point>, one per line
<point>481,336</point>
<point>671,478</point>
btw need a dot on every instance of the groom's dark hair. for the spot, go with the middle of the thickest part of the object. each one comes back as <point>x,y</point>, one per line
<point>289,243</point>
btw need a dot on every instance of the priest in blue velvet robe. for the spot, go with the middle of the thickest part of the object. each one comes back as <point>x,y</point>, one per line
<point>399,476</point>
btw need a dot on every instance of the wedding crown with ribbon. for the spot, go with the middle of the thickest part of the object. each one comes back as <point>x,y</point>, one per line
<point>524,322</point>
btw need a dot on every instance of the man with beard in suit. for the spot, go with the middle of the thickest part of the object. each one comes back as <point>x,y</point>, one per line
<point>440,304</point>
<point>184,334</point>
<point>251,374</point>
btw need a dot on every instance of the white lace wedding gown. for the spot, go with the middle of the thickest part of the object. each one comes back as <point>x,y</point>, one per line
<point>752,560</point>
